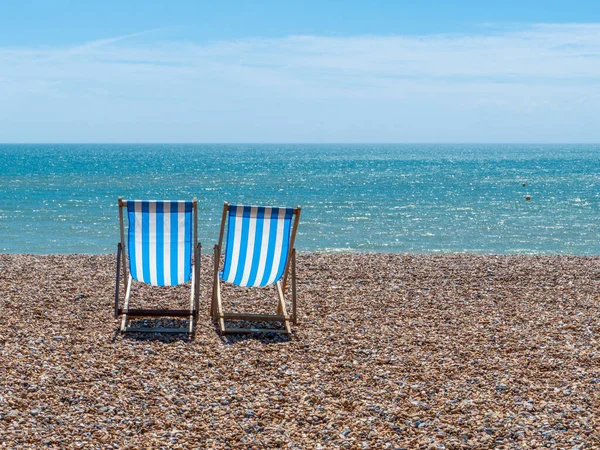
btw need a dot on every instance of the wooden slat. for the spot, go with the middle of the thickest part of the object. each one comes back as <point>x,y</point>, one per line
<point>253,330</point>
<point>156,312</point>
<point>254,317</point>
<point>156,330</point>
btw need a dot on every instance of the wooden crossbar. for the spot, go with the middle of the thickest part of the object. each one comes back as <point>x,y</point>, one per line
<point>255,317</point>
<point>155,312</point>
<point>156,330</point>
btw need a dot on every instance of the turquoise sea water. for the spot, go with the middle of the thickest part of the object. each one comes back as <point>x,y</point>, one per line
<point>377,198</point>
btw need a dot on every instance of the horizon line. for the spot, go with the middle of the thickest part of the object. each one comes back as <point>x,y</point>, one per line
<point>307,143</point>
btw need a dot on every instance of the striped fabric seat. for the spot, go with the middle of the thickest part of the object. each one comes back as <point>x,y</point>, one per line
<point>258,242</point>
<point>160,241</point>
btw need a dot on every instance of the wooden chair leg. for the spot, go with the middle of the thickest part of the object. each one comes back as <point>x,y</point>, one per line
<point>279,310</point>
<point>294,316</point>
<point>118,280</point>
<point>192,302</point>
<point>197,280</point>
<point>286,321</point>
<point>126,305</point>
<point>216,257</point>
<point>219,307</point>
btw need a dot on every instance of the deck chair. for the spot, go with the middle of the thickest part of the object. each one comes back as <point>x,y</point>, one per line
<point>259,252</point>
<point>162,250</point>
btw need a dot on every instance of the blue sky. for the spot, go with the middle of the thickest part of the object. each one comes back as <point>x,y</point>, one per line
<point>312,71</point>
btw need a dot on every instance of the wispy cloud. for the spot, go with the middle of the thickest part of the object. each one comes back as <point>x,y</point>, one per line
<point>86,47</point>
<point>527,69</point>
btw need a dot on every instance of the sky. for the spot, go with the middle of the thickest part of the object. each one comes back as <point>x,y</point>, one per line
<point>311,71</point>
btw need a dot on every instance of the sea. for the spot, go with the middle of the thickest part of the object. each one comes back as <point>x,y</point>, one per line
<point>392,198</point>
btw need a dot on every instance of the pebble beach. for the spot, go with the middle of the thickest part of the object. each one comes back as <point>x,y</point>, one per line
<point>390,352</point>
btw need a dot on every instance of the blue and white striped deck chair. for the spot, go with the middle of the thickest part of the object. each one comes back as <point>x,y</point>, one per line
<point>259,251</point>
<point>162,250</point>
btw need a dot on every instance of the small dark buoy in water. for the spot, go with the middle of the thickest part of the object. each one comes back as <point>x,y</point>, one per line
<point>524,184</point>
<point>528,197</point>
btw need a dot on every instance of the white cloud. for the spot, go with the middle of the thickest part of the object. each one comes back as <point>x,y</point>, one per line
<point>526,83</point>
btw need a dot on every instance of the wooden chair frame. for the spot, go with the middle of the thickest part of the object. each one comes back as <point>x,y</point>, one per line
<point>129,313</point>
<point>216,307</point>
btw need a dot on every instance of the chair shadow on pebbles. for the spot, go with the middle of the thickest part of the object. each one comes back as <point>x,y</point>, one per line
<point>264,337</point>
<point>151,335</point>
